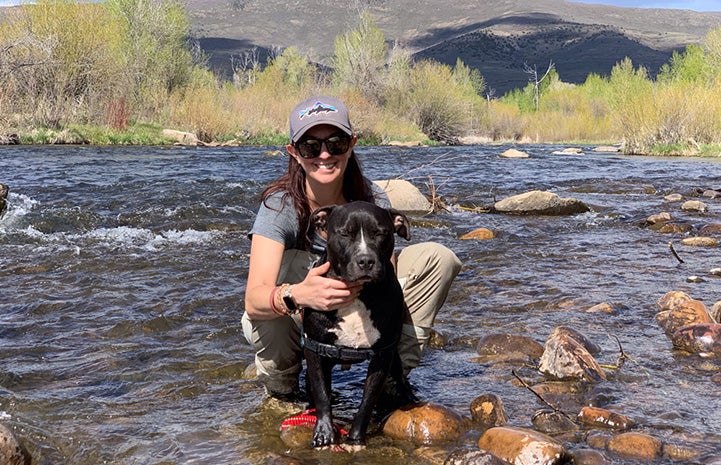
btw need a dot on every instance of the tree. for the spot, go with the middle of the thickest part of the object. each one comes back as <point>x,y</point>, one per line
<point>536,81</point>
<point>360,58</point>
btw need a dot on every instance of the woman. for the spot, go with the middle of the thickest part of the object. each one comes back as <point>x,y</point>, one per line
<point>323,170</point>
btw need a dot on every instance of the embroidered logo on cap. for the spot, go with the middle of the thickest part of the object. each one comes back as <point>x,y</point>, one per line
<point>318,108</point>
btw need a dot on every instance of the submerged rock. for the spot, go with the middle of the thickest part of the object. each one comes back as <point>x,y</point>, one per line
<point>480,234</point>
<point>506,345</point>
<point>540,203</point>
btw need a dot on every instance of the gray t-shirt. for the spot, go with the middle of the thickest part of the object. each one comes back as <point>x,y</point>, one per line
<point>278,221</point>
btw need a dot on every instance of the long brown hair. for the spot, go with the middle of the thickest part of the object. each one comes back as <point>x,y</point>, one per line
<point>292,184</point>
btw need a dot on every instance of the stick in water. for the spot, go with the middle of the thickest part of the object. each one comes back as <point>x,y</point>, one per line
<point>673,251</point>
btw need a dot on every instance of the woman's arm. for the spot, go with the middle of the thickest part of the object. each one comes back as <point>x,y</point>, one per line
<point>265,258</point>
<point>315,291</point>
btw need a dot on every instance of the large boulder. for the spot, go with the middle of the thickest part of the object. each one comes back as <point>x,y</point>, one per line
<point>540,203</point>
<point>405,196</point>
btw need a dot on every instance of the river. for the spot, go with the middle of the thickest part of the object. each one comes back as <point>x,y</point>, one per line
<point>122,273</point>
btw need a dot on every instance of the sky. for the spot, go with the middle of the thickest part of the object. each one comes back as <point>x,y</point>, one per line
<point>697,5</point>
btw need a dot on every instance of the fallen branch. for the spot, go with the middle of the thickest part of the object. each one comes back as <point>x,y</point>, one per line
<point>474,209</point>
<point>551,406</point>
<point>673,251</point>
<point>622,357</point>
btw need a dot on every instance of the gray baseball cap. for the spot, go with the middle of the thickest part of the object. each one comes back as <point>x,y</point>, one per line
<point>318,110</point>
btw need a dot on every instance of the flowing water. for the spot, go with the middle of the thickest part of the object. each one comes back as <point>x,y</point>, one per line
<point>122,273</point>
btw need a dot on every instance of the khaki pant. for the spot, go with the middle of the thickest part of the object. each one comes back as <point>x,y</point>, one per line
<point>425,271</point>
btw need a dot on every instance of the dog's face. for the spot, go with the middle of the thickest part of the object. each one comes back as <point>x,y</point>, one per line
<point>360,237</point>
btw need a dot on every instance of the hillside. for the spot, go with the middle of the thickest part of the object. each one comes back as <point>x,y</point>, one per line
<point>495,36</point>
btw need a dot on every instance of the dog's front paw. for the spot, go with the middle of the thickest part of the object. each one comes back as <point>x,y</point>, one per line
<point>324,434</point>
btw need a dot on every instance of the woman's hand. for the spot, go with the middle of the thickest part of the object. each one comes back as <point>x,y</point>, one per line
<point>321,293</point>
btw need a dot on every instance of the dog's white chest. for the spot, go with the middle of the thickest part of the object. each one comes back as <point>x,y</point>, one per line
<point>355,327</point>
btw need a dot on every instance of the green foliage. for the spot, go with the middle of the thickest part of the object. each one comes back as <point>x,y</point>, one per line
<point>360,57</point>
<point>691,66</point>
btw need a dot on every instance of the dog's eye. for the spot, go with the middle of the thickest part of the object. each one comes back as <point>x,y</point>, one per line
<point>343,232</point>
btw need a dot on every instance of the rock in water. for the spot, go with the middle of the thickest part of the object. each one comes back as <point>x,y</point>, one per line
<point>540,203</point>
<point>3,198</point>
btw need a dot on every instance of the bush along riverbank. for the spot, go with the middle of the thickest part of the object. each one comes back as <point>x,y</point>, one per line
<point>105,73</point>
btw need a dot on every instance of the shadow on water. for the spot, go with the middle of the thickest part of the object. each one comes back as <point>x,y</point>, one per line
<point>123,273</point>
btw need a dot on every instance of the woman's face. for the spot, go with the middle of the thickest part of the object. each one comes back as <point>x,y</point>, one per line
<point>325,168</point>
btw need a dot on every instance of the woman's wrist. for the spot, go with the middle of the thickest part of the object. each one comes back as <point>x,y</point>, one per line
<point>281,300</point>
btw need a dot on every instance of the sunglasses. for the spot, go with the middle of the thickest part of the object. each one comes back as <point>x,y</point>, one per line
<point>337,144</point>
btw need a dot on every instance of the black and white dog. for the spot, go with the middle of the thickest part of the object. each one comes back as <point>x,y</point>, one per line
<point>360,242</point>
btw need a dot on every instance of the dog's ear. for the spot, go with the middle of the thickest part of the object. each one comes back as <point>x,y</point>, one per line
<point>319,220</point>
<point>400,224</point>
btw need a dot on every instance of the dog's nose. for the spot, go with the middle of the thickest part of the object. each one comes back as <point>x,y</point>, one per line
<point>365,262</point>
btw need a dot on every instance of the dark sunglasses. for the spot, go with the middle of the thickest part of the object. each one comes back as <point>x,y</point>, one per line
<point>337,144</point>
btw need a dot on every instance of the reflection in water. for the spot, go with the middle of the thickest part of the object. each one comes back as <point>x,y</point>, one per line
<point>123,270</point>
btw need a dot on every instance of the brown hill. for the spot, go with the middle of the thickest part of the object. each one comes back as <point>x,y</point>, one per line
<point>495,36</point>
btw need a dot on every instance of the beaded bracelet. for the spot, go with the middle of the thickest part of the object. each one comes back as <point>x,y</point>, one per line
<point>273,293</point>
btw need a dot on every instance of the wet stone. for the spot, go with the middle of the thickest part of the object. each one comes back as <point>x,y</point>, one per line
<point>522,446</point>
<point>505,344</point>
<point>588,457</point>
<point>12,452</point>
<point>635,446</point>
<point>695,206</point>
<point>567,359</point>
<point>699,339</point>
<point>663,217</point>
<point>682,314</point>
<point>487,411</point>
<point>603,307</point>
<point>552,422</point>
<point>700,241</point>
<point>480,234</point>
<point>425,423</point>
<point>673,198</point>
<point>680,452</point>
<point>713,229</point>
<point>716,312</point>
<point>599,417</point>
<point>598,439</point>
<point>587,344</point>
<point>473,457</point>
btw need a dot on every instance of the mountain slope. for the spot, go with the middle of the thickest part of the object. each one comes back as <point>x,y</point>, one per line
<point>496,36</point>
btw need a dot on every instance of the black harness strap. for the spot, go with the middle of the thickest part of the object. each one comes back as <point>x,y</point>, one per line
<point>348,354</point>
